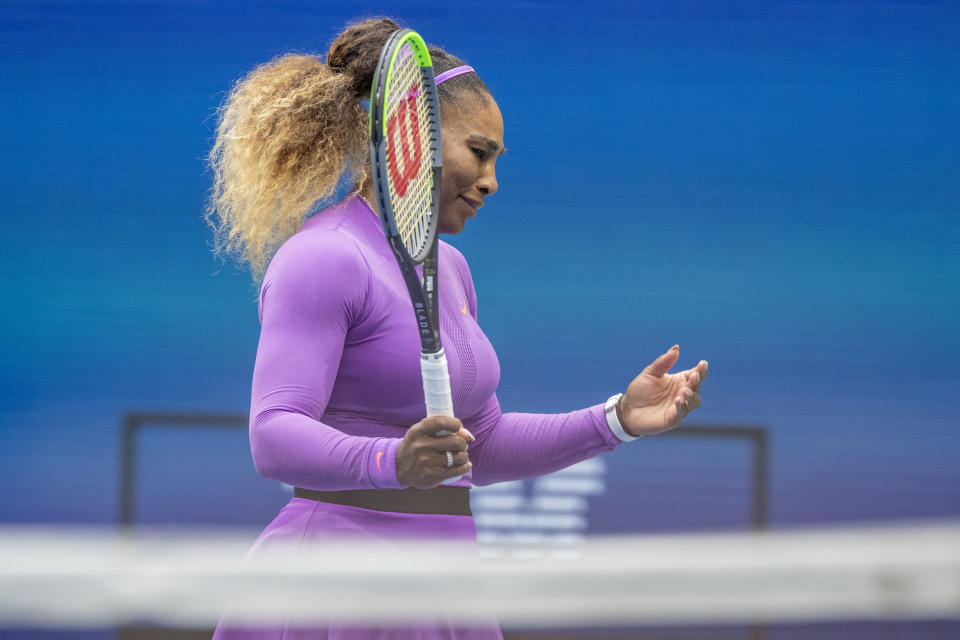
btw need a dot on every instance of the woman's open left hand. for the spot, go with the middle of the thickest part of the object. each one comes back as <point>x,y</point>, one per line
<point>658,401</point>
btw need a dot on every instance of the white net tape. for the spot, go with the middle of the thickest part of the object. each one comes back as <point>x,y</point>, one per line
<point>76,578</point>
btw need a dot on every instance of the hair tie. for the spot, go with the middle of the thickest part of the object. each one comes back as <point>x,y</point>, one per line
<point>453,73</point>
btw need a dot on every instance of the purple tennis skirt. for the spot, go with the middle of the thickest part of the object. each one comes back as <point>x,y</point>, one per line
<point>303,519</point>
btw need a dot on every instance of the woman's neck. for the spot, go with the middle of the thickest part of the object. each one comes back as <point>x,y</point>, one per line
<point>366,192</point>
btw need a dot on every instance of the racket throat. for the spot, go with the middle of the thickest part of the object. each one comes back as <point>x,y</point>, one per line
<point>429,335</point>
<point>424,307</point>
<point>431,293</point>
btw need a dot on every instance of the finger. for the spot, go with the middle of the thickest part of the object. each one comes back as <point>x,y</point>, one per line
<point>659,367</point>
<point>448,460</point>
<point>673,416</point>
<point>696,375</point>
<point>691,400</point>
<point>446,443</point>
<point>433,425</point>
<point>466,435</point>
<point>452,460</point>
<point>455,471</point>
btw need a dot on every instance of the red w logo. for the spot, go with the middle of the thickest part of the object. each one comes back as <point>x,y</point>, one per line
<point>405,124</point>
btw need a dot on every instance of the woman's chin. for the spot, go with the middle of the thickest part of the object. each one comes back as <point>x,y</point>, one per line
<point>451,227</point>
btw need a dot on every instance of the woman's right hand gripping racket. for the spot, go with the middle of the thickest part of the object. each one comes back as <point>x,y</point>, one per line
<point>406,162</point>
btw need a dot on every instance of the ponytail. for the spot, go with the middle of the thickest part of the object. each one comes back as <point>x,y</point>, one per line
<point>286,134</point>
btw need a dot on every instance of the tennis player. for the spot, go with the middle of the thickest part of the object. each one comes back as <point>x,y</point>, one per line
<point>337,403</point>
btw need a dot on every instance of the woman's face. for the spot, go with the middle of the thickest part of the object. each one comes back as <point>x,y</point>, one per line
<point>472,142</point>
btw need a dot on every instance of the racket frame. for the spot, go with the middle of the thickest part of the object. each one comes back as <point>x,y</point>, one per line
<point>424,294</point>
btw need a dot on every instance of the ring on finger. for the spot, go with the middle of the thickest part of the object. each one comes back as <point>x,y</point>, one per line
<point>449,459</point>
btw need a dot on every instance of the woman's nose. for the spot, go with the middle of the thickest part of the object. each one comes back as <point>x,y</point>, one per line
<point>487,185</point>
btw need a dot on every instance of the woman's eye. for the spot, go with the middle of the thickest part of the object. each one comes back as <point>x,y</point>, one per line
<point>480,153</point>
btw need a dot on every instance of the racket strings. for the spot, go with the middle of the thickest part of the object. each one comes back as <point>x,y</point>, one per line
<point>411,144</point>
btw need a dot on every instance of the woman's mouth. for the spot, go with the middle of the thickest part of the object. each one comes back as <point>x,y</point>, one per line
<point>473,203</point>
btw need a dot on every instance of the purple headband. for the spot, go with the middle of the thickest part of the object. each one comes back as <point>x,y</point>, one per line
<point>453,73</point>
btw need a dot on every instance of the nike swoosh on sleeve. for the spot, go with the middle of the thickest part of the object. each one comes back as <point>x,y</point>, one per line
<point>379,455</point>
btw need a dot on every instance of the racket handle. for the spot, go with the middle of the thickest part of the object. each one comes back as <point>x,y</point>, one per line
<point>436,390</point>
<point>436,384</point>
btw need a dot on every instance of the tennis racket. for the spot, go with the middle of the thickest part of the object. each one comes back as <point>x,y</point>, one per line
<point>406,161</point>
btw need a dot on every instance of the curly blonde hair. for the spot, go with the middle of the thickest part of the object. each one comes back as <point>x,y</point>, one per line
<point>288,131</point>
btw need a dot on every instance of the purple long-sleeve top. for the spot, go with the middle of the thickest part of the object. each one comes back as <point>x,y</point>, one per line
<point>337,377</point>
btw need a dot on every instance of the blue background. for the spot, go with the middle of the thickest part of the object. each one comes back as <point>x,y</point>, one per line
<point>774,186</point>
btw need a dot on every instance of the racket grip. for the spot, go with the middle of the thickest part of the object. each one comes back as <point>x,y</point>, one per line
<point>436,384</point>
<point>436,390</point>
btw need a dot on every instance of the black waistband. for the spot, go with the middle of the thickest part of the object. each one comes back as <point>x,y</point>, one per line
<point>454,501</point>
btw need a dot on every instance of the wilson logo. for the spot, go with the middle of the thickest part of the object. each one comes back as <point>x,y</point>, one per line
<point>405,125</point>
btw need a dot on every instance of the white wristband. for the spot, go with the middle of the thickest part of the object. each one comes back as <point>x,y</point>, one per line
<point>614,422</point>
